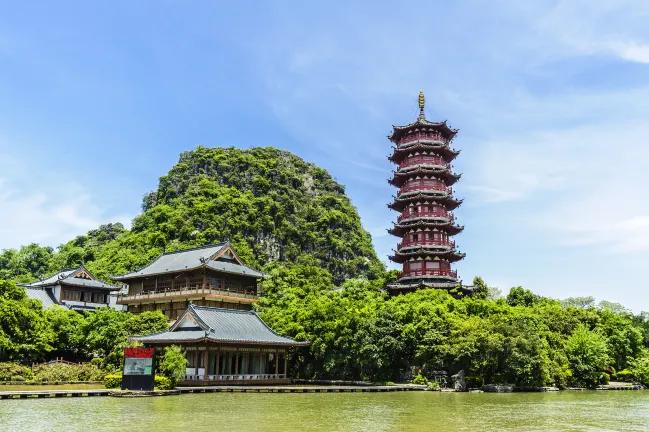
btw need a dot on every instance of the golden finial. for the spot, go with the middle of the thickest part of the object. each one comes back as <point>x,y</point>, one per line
<point>422,102</point>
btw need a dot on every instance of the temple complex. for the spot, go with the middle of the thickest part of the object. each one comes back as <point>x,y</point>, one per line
<point>226,346</point>
<point>206,276</point>
<point>425,202</point>
<point>74,288</point>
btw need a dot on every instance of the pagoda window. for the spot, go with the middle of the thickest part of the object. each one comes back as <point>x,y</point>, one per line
<point>213,283</point>
<point>413,266</point>
<point>432,265</point>
<point>414,237</point>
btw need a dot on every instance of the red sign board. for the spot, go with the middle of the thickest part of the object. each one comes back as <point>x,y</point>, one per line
<point>138,352</point>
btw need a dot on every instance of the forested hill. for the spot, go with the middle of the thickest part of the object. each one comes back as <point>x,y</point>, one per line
<point>270,204</point>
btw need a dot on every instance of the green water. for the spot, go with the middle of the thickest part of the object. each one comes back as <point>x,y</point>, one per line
<point>402,411</point>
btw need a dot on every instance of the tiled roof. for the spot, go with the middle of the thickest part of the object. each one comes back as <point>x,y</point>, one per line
<point>43,294</point>
<point>222,325</point>
<point>66,277</point>
<point>189,259</point>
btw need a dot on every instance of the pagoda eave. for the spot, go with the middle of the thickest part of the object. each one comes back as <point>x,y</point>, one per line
<point>404,255</point>
<point>402,176</point>
<point>400,153</point>
<point>402,228</point>
<point>402,202</point>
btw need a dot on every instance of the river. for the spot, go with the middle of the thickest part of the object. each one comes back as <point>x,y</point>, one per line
<point>399,411</point>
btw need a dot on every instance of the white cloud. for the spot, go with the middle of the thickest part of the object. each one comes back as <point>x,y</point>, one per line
<point>36,208</point>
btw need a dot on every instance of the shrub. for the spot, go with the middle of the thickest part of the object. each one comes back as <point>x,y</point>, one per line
<point>97,361</point>
<point>10,371</point>
<point>420,380</point>
<point>473,381</point>
<point>625,375</point>
<point>68,372</point>
<point>640,370</point>
<point>173,364</point>
<point>162,383</point>
<point>113,381</point>
<point>604,378</point>
<point>434,386</point>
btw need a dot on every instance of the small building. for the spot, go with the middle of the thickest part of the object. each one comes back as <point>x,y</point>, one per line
<point>75,288</point>
<point>211,276</point>
<point>226,346</point>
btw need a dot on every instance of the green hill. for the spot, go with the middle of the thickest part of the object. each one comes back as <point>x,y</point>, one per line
<point>270,204</point>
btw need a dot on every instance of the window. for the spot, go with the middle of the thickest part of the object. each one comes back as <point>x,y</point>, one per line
<point>432,264</point>
<point>415,266</point>
<point>98,298</point>
<point>72,295</point>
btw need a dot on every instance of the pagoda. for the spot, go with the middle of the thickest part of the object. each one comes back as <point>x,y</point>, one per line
<point>425,203</point>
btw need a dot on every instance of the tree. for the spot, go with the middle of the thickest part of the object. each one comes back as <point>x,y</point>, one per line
<point>587,353</point>
<point>173,364</point>
<point>579,302</point>
<point>146,323</point>
<point>67,326</point>
<point>519,296</point>
<point>640,369</point>
<point>25,335</point>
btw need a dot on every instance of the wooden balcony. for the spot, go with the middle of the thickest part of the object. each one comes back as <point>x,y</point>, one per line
<point>423,136</point>
<point>426,214</point>
<point>190,292</point>
<point>424,160</point>
<point>420,186</point>
<point>429,272</point>
<point>426,242</point>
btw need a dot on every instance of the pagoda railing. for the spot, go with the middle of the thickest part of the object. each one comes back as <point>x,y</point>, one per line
<point>170,293</point>
<point>426,242</point>
<point>424,160</point>
<point>423,186</point>
<point>411,215</point>
<point>429,272</point>
<point>425,136</point>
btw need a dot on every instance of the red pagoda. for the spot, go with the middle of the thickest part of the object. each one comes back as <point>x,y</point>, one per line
<point>425,203</point>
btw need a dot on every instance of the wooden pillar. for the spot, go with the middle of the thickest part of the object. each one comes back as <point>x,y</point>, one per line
<point>286,364</point>
<point>236,364</point>
<point>276,363</point>
<point>218,363</point>
<point>204,280</point>
<point>260,362</point>
<point>206,363</point>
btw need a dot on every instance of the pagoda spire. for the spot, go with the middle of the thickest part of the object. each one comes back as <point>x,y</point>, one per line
<point>422,103</point>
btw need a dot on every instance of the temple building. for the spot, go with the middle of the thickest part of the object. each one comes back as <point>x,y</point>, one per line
<point>206,276</point>
<point>74,288</point>
<point>425,202</point>
<point>226,346</point>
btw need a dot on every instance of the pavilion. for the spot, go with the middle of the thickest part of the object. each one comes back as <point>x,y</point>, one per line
<point>226,346</point>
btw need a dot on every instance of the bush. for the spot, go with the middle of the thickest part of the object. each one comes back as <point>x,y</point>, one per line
<point>68,372</point>
<point>473,381</point>
<point>420,380</point>
<point>604,378</point>
<point>162,383</point>
<point>113,381</point>
<point>97,361</point>
<point>640,370</point>
<point>173,364</point>
<point>11,371</point>
<point>434,386</point>
<point>625,375</point>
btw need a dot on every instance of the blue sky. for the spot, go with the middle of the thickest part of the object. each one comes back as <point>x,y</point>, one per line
<point>551,99</point>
